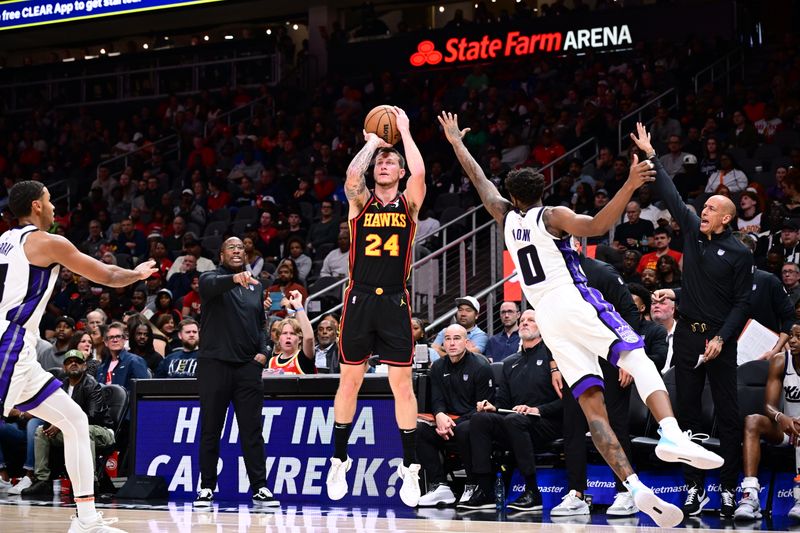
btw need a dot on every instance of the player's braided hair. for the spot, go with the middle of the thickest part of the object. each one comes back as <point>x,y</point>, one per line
<point>525,185</point>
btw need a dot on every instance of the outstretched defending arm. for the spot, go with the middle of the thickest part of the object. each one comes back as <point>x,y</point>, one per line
<point>495,204</point>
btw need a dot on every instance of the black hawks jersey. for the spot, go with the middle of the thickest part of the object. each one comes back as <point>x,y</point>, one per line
<point>381,237</point>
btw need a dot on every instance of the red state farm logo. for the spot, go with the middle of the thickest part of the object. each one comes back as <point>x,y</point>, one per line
<point>426,54</point>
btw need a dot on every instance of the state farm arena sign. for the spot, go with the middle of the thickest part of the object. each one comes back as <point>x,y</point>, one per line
<point>515,44</point>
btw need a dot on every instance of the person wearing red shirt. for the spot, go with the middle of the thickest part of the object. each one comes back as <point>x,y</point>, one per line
<point>547,150</point>
<point>218,197</point>
<point>202,157</point>
<point>324,186</point>
<point>661,240</point>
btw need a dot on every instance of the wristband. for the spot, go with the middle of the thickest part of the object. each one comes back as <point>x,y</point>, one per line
<point>299,309</point>
<point>778,414</point>
<point>554,370</point>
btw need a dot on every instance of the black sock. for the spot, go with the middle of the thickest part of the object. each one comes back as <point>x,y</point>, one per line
<point>530,483</point>
<point>408,437</point>
<point>341,434</point>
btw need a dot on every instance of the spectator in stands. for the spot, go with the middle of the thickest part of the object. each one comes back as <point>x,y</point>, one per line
<point>218,198</point>
<point>728,175</point>
<point>95,319</point>
<point>459,381</point>
<point>191,246</point>
<point>337,263</point>
<point>506,342</point>
<point>547,150</point>
<point>325,230</point>
<point>91,246</point>
<point>630,262</point>
<point>286,281</point>
<point>65,328</point>
<point>668,272</point>
<point>119,366</point>
<point>254,262</point>
<point>302,262</point>
<point>87,393</point>
<point>749,219</point>
<point>104,181</point>
<point>169,327</point>
<point>165,305</point>
<point>418,335</point>
<point>326,351</point>
<point>604,166</point>
<point>775,426</point>
<point>769,124</point>
<point>790,240</point>
<point>583,201</point>
<point>174,237</point>
<point>742,133</point>
<point>191,301</point>
<point>190,210</point>
<point>467,311</point>
<point>662,312</point>
<point>790,275</point>
<point>201,157</point>
<point>131,241</point>
<point>296,354</point>
<point>182,363</point>
<point>141,344</point>
<point>673,159</point>
<point>661,240</point>
<point>649,279</point>
<point>619,173</point>
<point>636,233</point>
<point>248,165</point>
<point>180,283</point>
<point>710,162</point>
<point>526,389</point>
<point>664,127</point>
<point>82,340</point>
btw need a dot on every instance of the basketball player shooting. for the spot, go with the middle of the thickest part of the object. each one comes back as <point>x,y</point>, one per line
<point>376,317</point>
<point>577,324</point>
<point>29,258</point>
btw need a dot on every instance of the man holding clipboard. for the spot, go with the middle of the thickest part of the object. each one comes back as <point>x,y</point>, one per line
<point>527,413</point>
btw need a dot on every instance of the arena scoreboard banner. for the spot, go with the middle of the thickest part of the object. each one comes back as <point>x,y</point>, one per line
<point>16,14</point>
<point>299,442</point>
<point>610,30</point>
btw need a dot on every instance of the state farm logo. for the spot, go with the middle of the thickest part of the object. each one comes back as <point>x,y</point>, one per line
<point>515,44</point>
<point>426,54</point>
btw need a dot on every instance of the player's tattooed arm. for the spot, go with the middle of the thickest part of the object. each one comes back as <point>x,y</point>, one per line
<point>355,185</point>
<point>495,204</point>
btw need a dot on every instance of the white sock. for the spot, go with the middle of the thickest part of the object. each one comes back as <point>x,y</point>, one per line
<point>87,512</point>
<point>670,426</point>
<point>633,483</point>
<point>750,483</point>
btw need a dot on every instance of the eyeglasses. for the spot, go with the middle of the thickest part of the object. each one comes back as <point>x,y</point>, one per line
<point>115,337</point>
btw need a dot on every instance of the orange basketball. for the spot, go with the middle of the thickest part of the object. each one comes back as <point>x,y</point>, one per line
<point>381,121</point>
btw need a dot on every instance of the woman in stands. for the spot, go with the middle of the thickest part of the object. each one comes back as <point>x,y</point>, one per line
<point>254,262</point>
<point>82,341</point>
<point>668,272</point>
<point>296,340</point>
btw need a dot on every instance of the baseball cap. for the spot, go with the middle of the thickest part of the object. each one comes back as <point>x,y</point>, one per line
<point>67,319</point>
<point>750,193</point>
<point>188,191</point>
<point>164,291</point>
<point>689,159</point>
<point>601,191</point>
<point>74,354</point>
<point>470,301</point>
<point>790,224</point>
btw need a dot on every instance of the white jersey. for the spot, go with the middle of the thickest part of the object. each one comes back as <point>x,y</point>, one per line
<point>544,262</point>
<point>25,288</point>
<point>791,388</point>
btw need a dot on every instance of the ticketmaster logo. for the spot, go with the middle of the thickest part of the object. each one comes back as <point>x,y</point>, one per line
<point>549,489</point>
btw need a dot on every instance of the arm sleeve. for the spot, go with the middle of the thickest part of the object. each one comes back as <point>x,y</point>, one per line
<point>687,220</point>
<point>742,286</point>
<point>212,284</point>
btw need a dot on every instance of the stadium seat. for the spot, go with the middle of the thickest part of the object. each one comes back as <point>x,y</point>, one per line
<point>247,213</point>
<point>497,373</point>
<point>786,139</point>
<point>766,153</point>
<point>751,382</point>
<point>116,398</point>
<point>220,215</point>
<point>445,200</point>
<point>216,229</point>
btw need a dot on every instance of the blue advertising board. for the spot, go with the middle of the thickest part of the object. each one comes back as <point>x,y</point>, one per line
<point>26,13</point>
<point>298,433</point>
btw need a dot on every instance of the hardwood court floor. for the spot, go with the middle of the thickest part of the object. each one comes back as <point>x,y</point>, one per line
<point>19,516</point>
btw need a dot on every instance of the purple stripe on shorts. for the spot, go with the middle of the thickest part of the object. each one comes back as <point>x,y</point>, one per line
<point>10,347</point>
<point>45,392</point>
<point>628,339</point>
<point>584,383</point>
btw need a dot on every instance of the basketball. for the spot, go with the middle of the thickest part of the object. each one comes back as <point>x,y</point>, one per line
<point>381,121</point>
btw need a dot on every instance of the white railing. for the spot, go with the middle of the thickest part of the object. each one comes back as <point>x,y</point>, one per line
<point>645,114</point>
<point>723,68</point>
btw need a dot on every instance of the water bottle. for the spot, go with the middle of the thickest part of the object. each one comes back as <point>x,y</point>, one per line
<point>500,492</point>
<point>796,486</point>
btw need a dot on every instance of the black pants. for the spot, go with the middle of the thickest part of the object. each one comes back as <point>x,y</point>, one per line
<point>689,382</point>
<point>522,433</point>
<point>617,402</point>
<point>219,384</point>
<point>429,444</point>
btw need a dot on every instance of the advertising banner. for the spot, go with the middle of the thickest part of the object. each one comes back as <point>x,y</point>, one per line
<point>299,442</point>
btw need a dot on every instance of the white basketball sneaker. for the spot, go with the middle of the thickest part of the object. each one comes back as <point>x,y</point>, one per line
<point>99,525</point>
<point>336,482</point>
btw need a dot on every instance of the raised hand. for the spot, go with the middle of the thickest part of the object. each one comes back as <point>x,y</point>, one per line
<point>641,173</point>
<point>295,299</point>
<point>376,141</point>
<point>449,122</point>
<point>402,119</point>
<point>642,139</point>
<point>146,269</point>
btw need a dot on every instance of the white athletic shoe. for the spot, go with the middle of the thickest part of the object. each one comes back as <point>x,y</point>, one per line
<point>336,482</point>
<point>409,492</point>
<point>570,505</point>
<point>440,494</point>
<point>467,494</point>
<point>21,485</point>
<point>5,486</point>
<point>663,514</point>
<point>683,450</point>
<point>749,507</point>
<point>623,505</point>
<point>794,512</point>
<point>100,525</point>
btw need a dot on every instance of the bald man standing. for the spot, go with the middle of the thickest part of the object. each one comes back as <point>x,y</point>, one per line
<point>713,304</point>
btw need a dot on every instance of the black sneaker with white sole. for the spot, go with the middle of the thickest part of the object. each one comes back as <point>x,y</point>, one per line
<point>727,503</point>
<point>205,497</point>
<point>528,502</point>
<point>264,497</point>
<point>478,500</point>
<point>696,499</point>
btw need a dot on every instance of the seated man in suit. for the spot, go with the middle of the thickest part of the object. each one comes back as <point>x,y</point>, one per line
<point>87,393</point>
